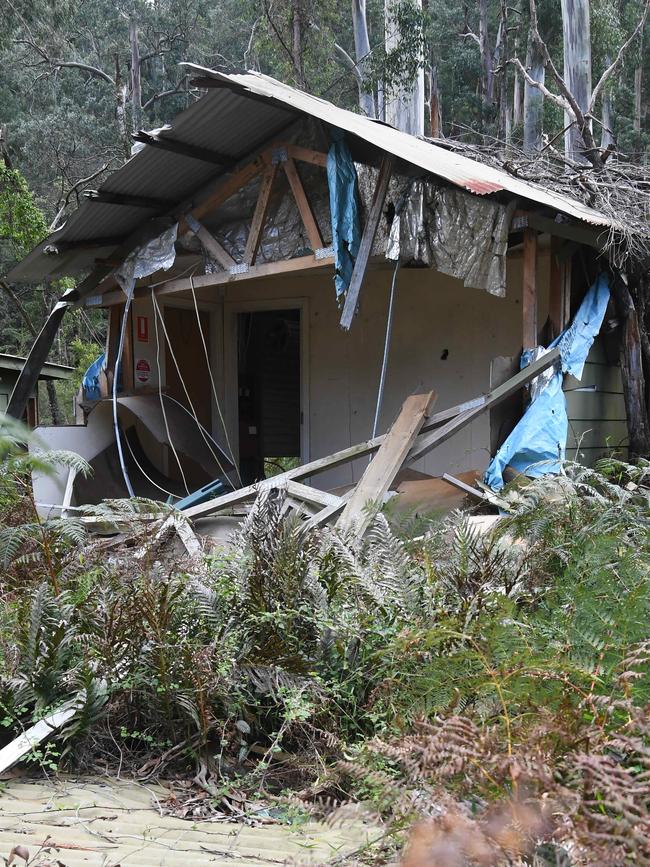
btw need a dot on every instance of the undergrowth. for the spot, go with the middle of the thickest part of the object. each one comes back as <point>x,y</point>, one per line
<point>494,686</point>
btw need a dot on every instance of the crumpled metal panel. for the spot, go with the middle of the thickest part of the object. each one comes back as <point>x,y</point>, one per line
<point>453,232</point>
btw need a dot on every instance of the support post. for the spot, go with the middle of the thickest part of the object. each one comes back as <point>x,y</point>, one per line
<point>559,298</point>
<point>369,232</point>
<point>529,292</point>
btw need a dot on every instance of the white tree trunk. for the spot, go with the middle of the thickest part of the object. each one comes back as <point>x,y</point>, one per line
<point>534,98</point>
<point>405,107</point>
<point>607,119</point>
<point>577,68</point>
<point>136,87</point>
<point>362,52</point>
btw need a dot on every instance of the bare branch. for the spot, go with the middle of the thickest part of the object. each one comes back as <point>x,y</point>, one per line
<point>611,69</point>
<point>80,183</point>
<point>165,93</point>
<point>553,97</point>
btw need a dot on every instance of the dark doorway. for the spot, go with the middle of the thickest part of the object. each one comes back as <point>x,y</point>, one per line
<point>268,369</point>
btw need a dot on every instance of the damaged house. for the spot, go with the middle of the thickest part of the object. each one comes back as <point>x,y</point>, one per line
<point>281,274</point>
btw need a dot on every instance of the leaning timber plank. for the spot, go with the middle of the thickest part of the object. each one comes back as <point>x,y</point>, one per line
<point>210,243</point>
<point>327,513</point>
<point>369,232</point>
<point>319,465</point>
<point>479,404</point>
<point>304,207</point>
<point>312,495</point>
<point>428,441</point>
<point>381,471</point>
<point>259,216</point>
<point>467,489</point>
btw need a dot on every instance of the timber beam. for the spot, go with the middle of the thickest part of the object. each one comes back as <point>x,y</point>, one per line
<point>106,198</point>
<point>178,147</point>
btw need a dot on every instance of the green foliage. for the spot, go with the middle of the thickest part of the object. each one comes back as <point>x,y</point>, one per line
<point>22,223</point>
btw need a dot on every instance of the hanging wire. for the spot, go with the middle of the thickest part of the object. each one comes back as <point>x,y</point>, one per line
<point>387,342</point>
<point>214,387</point>
<point>116,376</point>
<point>145,474</point>
<point>162,402</point>
<point>187,395</point>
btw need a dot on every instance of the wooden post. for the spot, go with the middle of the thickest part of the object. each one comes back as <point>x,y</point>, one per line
<point>529,293</point>
<point>559,298</point>
<point>367,239</point>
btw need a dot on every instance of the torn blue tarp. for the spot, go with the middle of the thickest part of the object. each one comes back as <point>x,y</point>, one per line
<point>90,381</point>
<point>344,210</point>
<point>537,445</point>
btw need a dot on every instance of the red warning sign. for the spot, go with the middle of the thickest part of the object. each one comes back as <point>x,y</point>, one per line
<point>142,329</point>
<point>142,370</point>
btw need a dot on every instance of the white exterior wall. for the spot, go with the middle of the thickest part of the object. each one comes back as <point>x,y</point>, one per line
<point>433,313</point>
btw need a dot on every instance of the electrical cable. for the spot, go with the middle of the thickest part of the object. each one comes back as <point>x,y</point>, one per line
<point>187,395</point>
<point>387,342</point>
<point>145,474</point>
<point>162,402</point>
<point>116,375</point>
<point>214,387</point>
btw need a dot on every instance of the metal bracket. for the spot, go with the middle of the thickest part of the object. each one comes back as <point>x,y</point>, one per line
<point>324,253</point>
<point>279,155</point>
<point>240,268</point>
<point>93,301</point>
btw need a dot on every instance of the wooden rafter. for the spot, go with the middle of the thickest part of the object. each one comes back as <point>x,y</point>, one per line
<point>306,213</point>
<point>210,243</point>
<point>106,198</point>
<point>307,155</point>
<point>203,281</point>
<point>369,232</point>
<point>178,147</point>
<point>259,216</point>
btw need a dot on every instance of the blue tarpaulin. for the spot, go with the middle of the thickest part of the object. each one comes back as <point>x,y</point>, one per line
<point>90,381</point>
<point>537,445</point>
<point>344,208</point>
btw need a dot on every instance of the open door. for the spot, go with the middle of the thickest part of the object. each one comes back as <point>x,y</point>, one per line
<point>269,391</point>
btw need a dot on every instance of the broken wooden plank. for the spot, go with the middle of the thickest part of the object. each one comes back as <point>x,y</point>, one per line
<point>33,736</point>
<point>381,471</point>
<point>365,248</point>
<point>67,494</point>
<point>304,207</point>
<point>428,441</point>
<point>259,216</point>
<point>476,405</point>
<point>310,495</point>
<point>327,514</point>
<point>210,243</point>
<point>485,496</point>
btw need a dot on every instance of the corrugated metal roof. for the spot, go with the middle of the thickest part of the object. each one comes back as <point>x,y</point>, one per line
<point>50,370</point>
<point>234,120</point>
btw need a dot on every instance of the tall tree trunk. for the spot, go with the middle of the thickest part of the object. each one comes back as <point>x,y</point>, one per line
<point>121,94</point>
<point>632,375</point>
<point>435,111</point>
<point>487,78</point>
<point>502,63</point>
<point>607,119</point>
<point>517,89</point>
<point>297,48</point>
<point>404,107</point>
<point>533,97</point>
<point>576,30</point>
<point>362,52</point>
<point>52,397</point>
<point>136,86</point>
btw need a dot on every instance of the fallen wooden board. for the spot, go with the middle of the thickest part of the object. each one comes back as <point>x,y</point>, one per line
<point>483,496</point>
<point>429,437</point>
<point>380,472</point>
<point>430,494</point>
<point>31,738</point>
